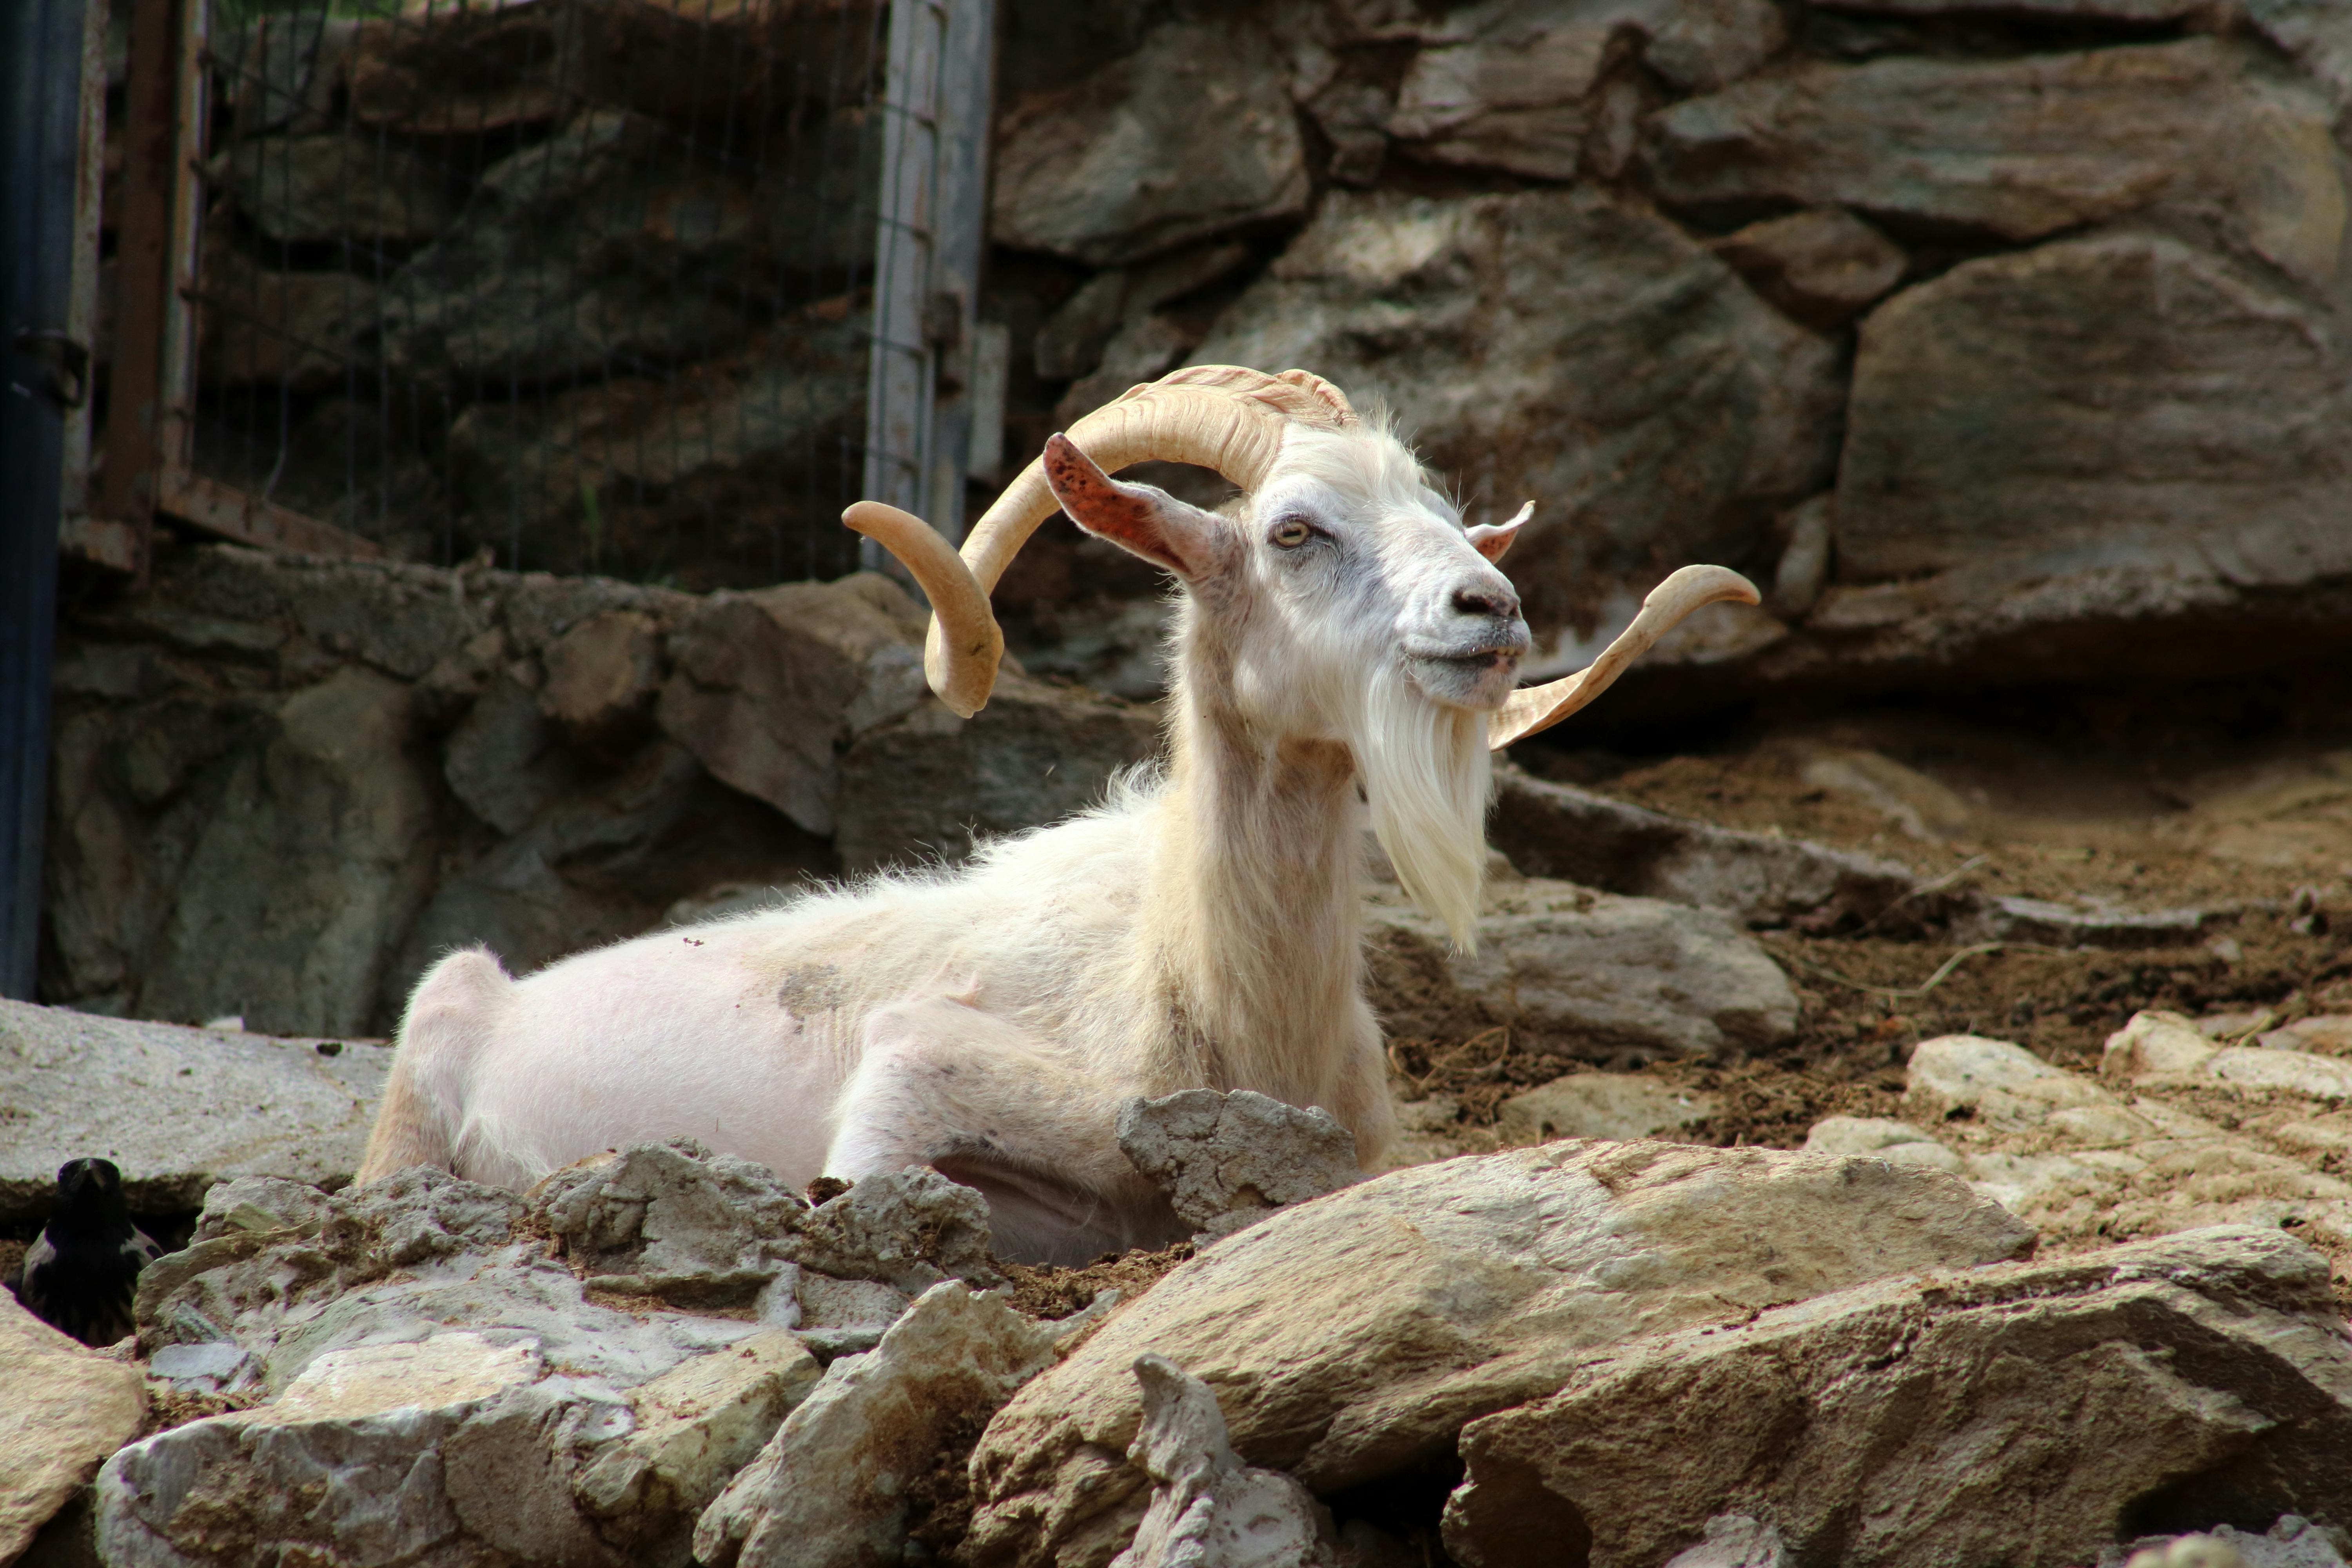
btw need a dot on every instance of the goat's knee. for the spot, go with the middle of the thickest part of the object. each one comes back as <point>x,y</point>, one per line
<point>449,1018</point>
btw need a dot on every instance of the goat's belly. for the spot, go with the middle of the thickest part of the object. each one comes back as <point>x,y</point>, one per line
<point>652,1039</point>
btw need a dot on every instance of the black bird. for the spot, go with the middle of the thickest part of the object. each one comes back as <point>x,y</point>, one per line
<point>79,1275</point>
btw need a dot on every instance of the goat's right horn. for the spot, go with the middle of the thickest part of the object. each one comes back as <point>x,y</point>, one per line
<point>1219,416</point>
<point>1534,708</point>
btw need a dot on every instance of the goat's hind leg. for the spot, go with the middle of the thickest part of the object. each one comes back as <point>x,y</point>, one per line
<point>942,1084</point>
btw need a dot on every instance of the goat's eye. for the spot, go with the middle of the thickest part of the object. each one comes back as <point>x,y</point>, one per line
<point>1291,533</point>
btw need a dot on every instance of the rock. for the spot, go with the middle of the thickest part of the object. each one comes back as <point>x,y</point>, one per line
<point>602,671</point>
<point>929,786</point>
<point>332,187</point>
<point>912,1230</point>
<point>302,330</point>
<point>771,686</point>
<point>1139,351</point>
<point>2083,922</point>
<point>1071,341</point>
<point>1735,1541</point>
<point>2027,146</point>
<point>67,1409</point>
<point>352,1455</point>
<point>1349,1338</point>
<point>1510,97</point>
<point>1880,1138</point>
<point>1615,1105</point>
<point>2297,1072</point>
<point>2156,1042</point>
<point>1228,1161</point>
<point>284,71</point>
<point>1189,137</point>
<point>316,850</point>
<point>1209,1510</point>
<point>177,1109</point>
<point>1822,267</point>
<point>672,1220</point>
<point>461,71</point>
<point>1577,836</point>
<point>1583,386</point>
<point>1583,974</point>
<point>696,1425</point>
<point>2004,1086</point>
<point>2292,1543</point>
<point>608,473</point>
<point>504,760</point>
<point>574,253</point>
<point>290,1275</point>
<point>1805,556</point>
<point>830,1486</point>
<point>2013,1413</point>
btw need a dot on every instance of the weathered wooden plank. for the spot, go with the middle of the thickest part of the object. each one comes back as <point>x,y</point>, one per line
<point>221,509</point>
<point>134,416</point>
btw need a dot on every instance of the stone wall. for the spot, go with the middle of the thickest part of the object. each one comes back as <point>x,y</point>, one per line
<point>283,786</point>
<point>2003,342</point>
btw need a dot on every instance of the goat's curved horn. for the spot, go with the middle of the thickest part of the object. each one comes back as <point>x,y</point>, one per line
<point>1537,708</point>
<point>1219,416</point>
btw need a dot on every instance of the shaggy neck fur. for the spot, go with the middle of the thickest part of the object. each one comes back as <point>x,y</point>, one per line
<point>1253,890</point>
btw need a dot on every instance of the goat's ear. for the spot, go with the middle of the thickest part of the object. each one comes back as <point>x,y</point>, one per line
<point>1491,539</point>
<point>1138,519</point>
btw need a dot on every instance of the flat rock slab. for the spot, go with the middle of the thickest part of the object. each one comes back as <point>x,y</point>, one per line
<point>67,1410</point>
<point>177,1109</point>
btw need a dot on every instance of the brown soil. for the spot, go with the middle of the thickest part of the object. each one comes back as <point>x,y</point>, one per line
<point>168,1407</point>
<point>1044,1290</point>
<point>12,1256</point>
<point>939,1500</point>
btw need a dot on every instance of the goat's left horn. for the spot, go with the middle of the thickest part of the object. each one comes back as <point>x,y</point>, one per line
<point>960,608</point>
<point>1537,708</point>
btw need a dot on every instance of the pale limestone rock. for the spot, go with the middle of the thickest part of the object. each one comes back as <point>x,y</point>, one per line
<point>2006,1087</point>
<point>2156,1042</point>
<point>1581,973</point>
<point>696,1425</point>
<point>1911,1422</point>
<point>1228,1161</point>
<point>178,1109</point>
<point>67,1408</point>
<point>828,1490</point>
<point>1350,1336</point>
<point>672,1220</point>
<point>1735,1541</point>
<point>1208,1509</point>
<point>911,1230</point>
<point>1601,1105</point>
<point>1879,1138</point>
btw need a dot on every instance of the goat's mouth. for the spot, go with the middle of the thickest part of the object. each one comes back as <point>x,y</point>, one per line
<point>1477,678</point>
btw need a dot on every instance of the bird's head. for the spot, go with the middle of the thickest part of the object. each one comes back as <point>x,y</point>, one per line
<point>89,1187</point>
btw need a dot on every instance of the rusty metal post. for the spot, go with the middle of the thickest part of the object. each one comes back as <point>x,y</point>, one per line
<point>135,400</point>
<point>41,373</point>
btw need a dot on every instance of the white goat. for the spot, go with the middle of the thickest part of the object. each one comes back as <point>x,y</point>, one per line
<point>1339,629</point>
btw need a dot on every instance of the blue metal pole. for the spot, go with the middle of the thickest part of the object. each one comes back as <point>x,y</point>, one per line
<point>40,92</point>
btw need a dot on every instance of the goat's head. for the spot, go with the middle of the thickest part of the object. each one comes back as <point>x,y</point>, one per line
<point>1342,595</point>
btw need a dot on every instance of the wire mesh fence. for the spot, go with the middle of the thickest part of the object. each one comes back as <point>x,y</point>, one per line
<point>587,283</point>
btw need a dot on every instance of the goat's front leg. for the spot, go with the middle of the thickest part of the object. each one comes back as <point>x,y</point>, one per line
<point>942,1084</point>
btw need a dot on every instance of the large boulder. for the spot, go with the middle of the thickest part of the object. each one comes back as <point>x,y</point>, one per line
<point>2029,1413</point>
<point>330,188</point>
<point>177,1109</point>
<point>1350,1337</point>
<point>1581,973</point>
<point>1192,135</point>
<point>1559,346</point>
<point>2026,146</point>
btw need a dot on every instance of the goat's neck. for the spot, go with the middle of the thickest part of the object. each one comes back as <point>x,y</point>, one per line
<point>1255,901</point>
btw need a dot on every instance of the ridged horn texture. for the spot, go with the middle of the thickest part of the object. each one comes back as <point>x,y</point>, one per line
<point>1219,416</point>
<point>1537,708</point>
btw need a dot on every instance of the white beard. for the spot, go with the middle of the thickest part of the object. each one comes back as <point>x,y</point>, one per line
<point>1427,775</point>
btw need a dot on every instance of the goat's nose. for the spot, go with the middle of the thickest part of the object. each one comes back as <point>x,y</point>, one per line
<point>1499,603</point>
